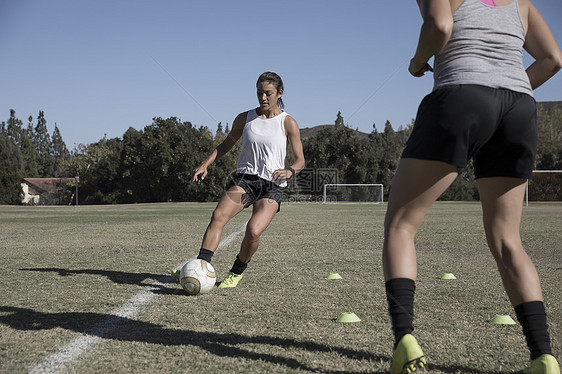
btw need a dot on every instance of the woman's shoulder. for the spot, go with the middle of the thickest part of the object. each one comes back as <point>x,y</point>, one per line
<point>290,123</point>
<point>242,117</point>
<point>524,6</point>
<point>247,112</point>
<point>288,117</point>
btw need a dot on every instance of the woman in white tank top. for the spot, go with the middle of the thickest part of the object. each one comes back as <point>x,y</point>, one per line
<point>482,109</point>
<point>261,172</point>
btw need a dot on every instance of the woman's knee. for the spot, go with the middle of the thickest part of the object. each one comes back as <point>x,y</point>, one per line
<point>402,222</point>
<point>508,253</point>
<point>254,231</point>
<point>220,217</point>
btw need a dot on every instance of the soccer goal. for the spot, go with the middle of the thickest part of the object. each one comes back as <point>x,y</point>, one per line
<point>353,193</point>
<point>546,185</point>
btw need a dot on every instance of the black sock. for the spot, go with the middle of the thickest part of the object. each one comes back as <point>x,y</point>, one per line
<point>400,298</point>
<point>238,267</point>
<point>205,254</point>
<point>532,317</point>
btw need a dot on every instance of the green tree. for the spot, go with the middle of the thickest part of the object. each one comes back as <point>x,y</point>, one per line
<point>157,162</point>
<point>403,133</point>
<point>59,154</point>
<point>341,149</point>
<point>23,138</point>
<point>11,166</point>
<point>339,123</point>
<point>14,128</point>
<point>131,162</point>
<point>43,145</point>
<point>390,148</point>
<point>98,167</point>
<point>463,188</point>
<point>220,172</point>
<point>29,152</point>
<point>549,131</point>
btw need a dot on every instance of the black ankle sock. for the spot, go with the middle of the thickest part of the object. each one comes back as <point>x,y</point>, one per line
<point>238,267</point>
<point>400,297</point>
<point>205,254</point>
<point>532,317</point>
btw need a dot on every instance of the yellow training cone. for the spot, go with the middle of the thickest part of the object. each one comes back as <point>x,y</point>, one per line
<point>348,317</point>
<point>502,319</point>
<point>334,276</point>
<point>448,276</point>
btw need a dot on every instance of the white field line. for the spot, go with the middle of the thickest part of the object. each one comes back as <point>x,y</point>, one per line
<point>65,356</point>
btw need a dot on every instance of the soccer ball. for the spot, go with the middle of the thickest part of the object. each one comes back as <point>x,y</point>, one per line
<point>197,276</point>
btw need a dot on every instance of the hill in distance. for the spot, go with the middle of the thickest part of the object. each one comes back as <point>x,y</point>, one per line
<point>309,132</point>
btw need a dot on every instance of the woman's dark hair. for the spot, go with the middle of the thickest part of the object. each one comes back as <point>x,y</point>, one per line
<point>274,79</point>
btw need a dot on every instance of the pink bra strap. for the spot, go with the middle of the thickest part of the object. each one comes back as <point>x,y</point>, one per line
<point>489,2</point>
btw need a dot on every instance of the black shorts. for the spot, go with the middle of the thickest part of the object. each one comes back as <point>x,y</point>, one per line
<point>495,127</point>
<point>257,188</point>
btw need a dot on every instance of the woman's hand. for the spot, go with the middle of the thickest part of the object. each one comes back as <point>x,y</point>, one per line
<point>418,71</point>
<point>199,174</point>
<point>281,175</point>
<point>237,127</point>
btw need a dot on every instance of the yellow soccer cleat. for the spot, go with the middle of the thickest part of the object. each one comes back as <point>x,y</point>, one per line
<point>545,364</point>
<point>408,356</point>
<point>231,280</point>
<point>175,273</point>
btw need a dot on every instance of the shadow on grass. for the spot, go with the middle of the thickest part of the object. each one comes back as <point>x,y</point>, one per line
<point>222,345</point>
<point>125,329</point>
<point>119,277</point>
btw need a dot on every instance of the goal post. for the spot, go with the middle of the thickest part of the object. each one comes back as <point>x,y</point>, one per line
<point>352,193</point>
<point>545,185</point>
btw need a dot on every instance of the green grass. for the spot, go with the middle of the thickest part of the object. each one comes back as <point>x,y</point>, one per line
<point>65,269</point>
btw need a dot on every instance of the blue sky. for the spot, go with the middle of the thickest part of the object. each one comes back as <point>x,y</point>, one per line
<point>99,67</point>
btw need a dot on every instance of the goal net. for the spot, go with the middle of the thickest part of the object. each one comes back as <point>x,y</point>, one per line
<point>546,185</point>
<point>353,193</point>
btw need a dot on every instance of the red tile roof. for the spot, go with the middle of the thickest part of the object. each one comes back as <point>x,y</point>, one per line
<point>38,186</point>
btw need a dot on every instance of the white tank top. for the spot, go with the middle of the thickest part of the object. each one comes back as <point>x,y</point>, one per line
<point>264,146</point>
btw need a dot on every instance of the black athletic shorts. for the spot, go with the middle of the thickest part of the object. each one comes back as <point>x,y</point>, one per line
<point>257,188</point>
<point>495,127</point>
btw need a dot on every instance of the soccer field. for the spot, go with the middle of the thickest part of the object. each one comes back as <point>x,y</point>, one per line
<point>86,289</point>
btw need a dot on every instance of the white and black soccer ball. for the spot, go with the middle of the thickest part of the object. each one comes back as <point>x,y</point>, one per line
<point>197,276</point>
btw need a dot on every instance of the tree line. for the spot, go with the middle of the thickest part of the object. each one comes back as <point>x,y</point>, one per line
<point>155,164</point>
